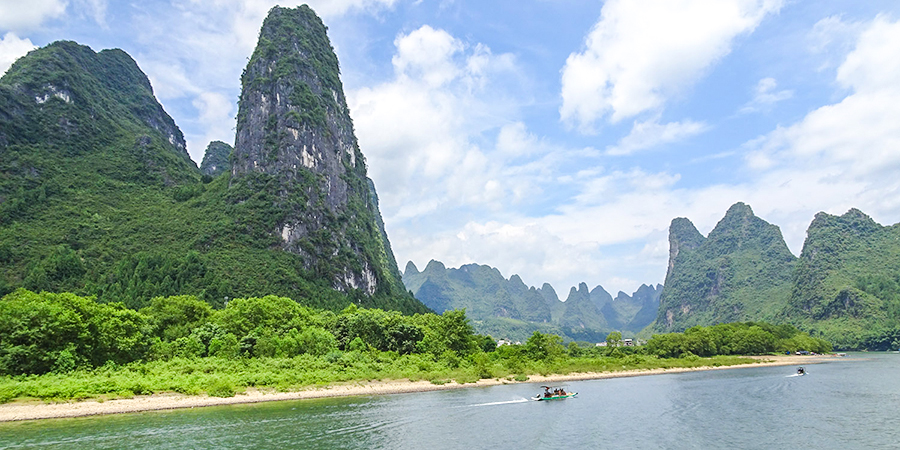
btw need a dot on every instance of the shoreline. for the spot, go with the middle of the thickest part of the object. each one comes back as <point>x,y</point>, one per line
<point>21,411</point>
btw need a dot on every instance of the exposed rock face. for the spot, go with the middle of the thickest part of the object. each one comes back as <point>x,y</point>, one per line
<point>295,139</point>
<point>216,159</point>
<point>682,235</point>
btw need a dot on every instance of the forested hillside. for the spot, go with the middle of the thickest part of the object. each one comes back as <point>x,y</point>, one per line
<point>847,282</point>
<point>99,197</point>
<point>845,286</point>
<point>741,271</point>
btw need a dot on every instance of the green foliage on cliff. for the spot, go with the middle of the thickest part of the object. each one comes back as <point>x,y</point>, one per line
<point>98,197</point>
<point>216,160</point>
<point>742,271</point>
<point>845,287</point>
<point>847,283</point>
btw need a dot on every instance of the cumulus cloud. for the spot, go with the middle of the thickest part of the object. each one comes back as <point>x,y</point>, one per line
<point>424,130</point>
<point>639,54</point>
<point>857,134</point>
<point>844,154</point>
<point>17,16</point>
<point>11,49</point>
<point>651,134</point>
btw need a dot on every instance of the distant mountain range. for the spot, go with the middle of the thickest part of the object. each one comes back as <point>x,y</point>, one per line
<point>508,308</point>
<point>845,286</point>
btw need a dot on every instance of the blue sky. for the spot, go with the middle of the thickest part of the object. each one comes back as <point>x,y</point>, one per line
<point>556,139</point>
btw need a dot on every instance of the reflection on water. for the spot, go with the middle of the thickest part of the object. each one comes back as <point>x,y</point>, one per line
<point>845,403</point>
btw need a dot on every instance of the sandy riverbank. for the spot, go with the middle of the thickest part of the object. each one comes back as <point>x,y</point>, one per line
<point>40,410</point>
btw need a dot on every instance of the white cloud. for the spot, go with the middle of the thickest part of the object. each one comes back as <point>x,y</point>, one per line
<point>427,54</point>
<point>640,54</point>
<point>11,49</point>
<point>17,15</point>
<point>833,38</point>
<point>857,135</point>
<point>651,134</point>
<point>515,140</point>
<point>216,119</point>
<point>423,131</point>
<point>844,154</point>
<point>766,96</point>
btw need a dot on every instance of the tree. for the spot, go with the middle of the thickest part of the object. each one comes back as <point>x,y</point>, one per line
<point>44,332</point>
<point>544,346</point>
<point>175,317</point>
<point>613,339</point>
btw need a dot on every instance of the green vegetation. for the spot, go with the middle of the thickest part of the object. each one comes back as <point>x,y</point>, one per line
<point>510,309</point>
<point>847,283</point>
<point>99,198</point>
<point>742,271</point>
<point>216,160</point>
<point>749,338</point>
<point>62,346</point>
<point>844,288</point>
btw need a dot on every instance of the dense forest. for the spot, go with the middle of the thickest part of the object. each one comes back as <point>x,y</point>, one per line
<point>64,346</point>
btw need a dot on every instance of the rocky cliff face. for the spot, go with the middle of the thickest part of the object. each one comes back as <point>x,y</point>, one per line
<point>295,140</point>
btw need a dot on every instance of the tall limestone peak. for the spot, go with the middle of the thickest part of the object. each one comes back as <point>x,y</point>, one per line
<point>580,317</point>
<point>853,220</point>
<point>411,269</point>
<point>549,294</point>
<point>480,289</point>
<point>66,101</point>
<point>295,144</point>
<point>741,227</point>
<point>847,271</point>
<point>742,271</point>
<point>682,235</point>
<point>600,296</point>
<point>217,159</point>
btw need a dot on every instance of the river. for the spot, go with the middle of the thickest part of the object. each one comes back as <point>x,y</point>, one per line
<point>845,403</point>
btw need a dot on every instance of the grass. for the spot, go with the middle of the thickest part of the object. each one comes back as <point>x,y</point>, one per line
<point>220,377</point>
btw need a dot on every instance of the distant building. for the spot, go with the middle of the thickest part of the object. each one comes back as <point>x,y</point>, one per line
<point>507,342</point>
<point>624,343</point>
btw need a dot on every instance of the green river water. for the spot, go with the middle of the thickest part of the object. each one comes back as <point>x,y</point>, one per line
<point>845,403</point>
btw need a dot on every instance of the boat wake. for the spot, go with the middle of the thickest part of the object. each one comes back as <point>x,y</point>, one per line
<point>794,375</point>
<point>520,400</point>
